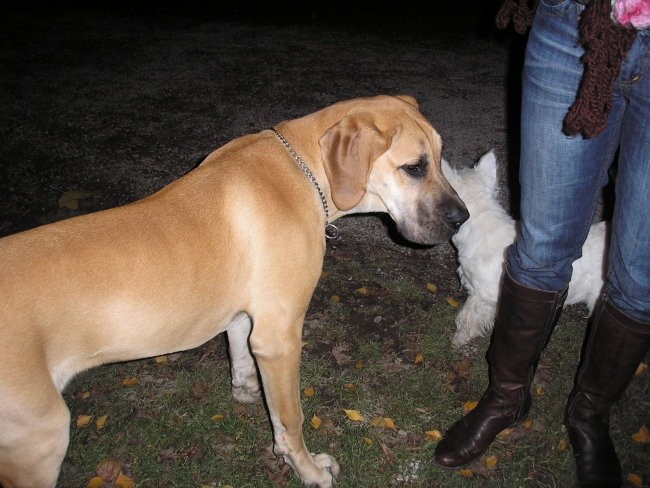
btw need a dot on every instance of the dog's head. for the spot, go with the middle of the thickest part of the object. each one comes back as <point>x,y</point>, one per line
<point>476,185</point>
<point>384,156</point>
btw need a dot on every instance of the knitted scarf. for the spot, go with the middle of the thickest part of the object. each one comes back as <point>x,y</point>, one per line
<point>605,44</point>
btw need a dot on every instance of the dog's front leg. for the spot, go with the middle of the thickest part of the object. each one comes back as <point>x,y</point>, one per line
<point>278,359</point>
<point>245,386</point>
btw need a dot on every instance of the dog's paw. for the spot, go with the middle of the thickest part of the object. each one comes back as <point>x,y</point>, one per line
<point>246,394</point>
<point>331,469</point>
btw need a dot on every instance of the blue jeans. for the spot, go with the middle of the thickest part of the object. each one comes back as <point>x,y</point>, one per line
<point>562,177</point>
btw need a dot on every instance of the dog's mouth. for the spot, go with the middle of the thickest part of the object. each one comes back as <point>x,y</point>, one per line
<point>434,225</point>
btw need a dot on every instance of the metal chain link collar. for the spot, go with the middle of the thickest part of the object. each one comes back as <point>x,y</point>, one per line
<point>331,231</point>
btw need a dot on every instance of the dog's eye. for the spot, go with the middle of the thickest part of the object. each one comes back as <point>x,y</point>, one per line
<point>417,169</point>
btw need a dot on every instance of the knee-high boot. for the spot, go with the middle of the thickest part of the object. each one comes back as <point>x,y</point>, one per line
<point>524,323</point>
<point>615,346</point>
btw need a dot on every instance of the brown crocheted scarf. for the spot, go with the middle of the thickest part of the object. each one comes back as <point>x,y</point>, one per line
<point>605,45</point>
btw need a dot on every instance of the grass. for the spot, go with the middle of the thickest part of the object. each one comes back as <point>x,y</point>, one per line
<point>360,354</point>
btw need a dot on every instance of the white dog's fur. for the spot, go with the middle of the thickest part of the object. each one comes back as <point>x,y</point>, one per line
<point>481,243</point>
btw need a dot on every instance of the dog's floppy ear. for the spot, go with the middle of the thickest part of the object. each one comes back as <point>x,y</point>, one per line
<point>349,148</point>
<point>408,99</point>
<point>487,168</point>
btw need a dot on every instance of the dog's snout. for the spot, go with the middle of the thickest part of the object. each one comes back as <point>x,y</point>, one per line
<point>457,214</point>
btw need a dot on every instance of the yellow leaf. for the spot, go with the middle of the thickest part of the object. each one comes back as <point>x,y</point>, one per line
<point>316,422</point>
<point>432,288</point>
<point>491,462</point>
<point>389,423</point>
<point>309,391</point>
<point>161,360</point>
<point>217,417</point>
<point>85,395</point>
<point>70,199</point>
<point>359,364</point>
<point>642,436</point>
<point>100,423</point>
<point>130,381</point>
<point>368,441</point>
<point>124,481</point>
<point>453,303</point>
<point>642,369</point>
<point>539,391</point>
<point>434,435</point>
<point>562,445</point>
<point>378,422</point>
<point>419,358</point>
<point>527,424</point>
<point>363,291</point>
<point>335,298</point>
<point>95,482</point>
<point>354,415</point>
<point>466,473</point>
<point>350,386</point>
<point>83,420</point>
<point>469,406</point>
<point>635,480</point>
<point>504,434</point>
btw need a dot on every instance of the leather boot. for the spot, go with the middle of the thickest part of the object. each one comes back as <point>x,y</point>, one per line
<point>615,346</point>
<point>524,322</point>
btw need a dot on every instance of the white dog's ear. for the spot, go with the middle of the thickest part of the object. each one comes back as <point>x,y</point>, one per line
<point>486,167</point>
<point>349,148</point>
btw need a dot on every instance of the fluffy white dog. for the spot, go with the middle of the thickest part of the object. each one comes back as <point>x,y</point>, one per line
<point>481,243</point>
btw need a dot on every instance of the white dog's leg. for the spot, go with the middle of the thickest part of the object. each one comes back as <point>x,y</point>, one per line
<point>475,319</point>
<point>245,384</point>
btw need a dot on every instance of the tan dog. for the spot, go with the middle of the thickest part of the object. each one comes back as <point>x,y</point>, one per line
<point>239,240</point>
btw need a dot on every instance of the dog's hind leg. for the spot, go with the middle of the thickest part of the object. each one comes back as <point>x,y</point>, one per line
<point>277,349</point>
<point>245,384</point>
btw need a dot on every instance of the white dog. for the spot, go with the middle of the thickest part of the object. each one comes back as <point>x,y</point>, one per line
<point>481,243</point>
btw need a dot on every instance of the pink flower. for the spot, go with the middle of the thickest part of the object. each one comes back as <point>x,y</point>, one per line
<point>632,13</point>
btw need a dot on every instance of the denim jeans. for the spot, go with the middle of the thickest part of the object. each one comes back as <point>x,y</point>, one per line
<point>562,177</point>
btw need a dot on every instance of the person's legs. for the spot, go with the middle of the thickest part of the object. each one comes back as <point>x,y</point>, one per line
<point>561,180</point>
<point>620,329</point>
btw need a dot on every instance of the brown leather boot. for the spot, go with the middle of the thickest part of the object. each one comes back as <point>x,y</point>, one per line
<point>524,323</point>
<point>615,346</point>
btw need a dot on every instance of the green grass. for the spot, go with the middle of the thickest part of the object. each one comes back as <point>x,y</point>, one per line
<point>163,433</point>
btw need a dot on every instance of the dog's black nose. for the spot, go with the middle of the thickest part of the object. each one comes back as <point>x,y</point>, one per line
<point>457,215</point>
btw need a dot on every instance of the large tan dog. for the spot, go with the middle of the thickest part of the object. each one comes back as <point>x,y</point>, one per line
<point>236,245</point>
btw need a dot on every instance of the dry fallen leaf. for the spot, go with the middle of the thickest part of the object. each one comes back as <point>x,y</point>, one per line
<point>368,441</point>
<point>70,199</point>
<point>527,424</point>
<point>83,420</point>
<point>363,291</point>
<point>161,359</point>
<point>95,482</point>
<point>217,417</point>
<point>419,358</point>
<point>469,406</point>
<point>539,391</point>
<point>466,473</point>
<point>453,303</point>
<point>130,381</point>
<point>109,469</point>
<point>434,435</point>
<point>642,369</point>
<point>354,415</point>
<point>491,462</point>
<point>562,445</point>
<point>642,436</point>
<point>359,364</point>
<point>124,481</point>
<point>100,423</point>
<point>350,386</point>
<point>316,422</point>
<point>635,480</point>
<point>432,288</point>
<point>85,395</point>
<point>309,391</point>
<point>335,298</point>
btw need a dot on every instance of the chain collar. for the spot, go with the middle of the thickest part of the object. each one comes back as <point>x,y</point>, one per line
<point>331,231</point>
